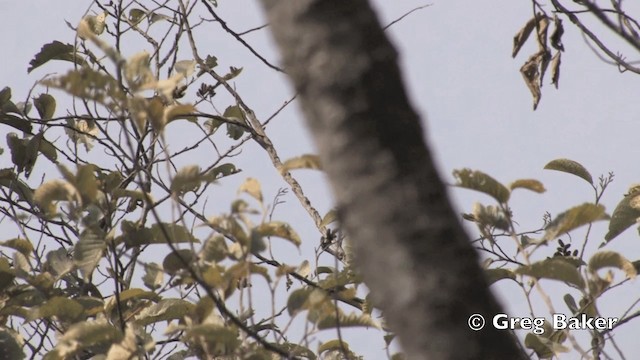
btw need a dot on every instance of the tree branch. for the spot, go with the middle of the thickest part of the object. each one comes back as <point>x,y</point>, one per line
<point>413,253</point>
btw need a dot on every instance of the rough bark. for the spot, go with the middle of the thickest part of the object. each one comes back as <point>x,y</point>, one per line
<point>410,247</point>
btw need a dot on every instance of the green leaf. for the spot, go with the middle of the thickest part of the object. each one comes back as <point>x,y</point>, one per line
<point>307,161</point>
<point>5,96</point>
<point>234,131</point>
<point>131,194</point>
<point>494,275</point>
<point>212,125</point>
<point>239,206</point>
<point>604,259</point>
<point>257,243</point>
<point>164,310</point>
<point>16,122</point>
<point>180,111</point>
<point>134,236</point>
<point>97,23</point>
<point>338,278</point>
<point>155,17</point>
<point>46,106</point>
<point>233,72</point>
<point>96,334</point>
<point>55,51</point>
<point>573,218</point>
<point>153,276</point>
<point>177,261</point>
<point>54,190</point>
<point>59,262</point>
<point>298,301</point>
<point>334,345</point>
<point>128,347</point>
<point>63,308</point>
<point>490,215</point>
<point>185,67</point>
<point>217,339</point>
<point>24,152</point>
<point>279,229</point>
<point>110,181</point>
<point>19,155</point>
<point>11,348</point>
<point>213,276</point>
<point>136,15</point>
<point>543,347</point>
<point>571,167</point>
<point>177,233</point>
<point>9,179</point>
<point>89,250</point>
<point>330,217</point>
<point>139,294</point>
<point>7,274</point>
<point>624,215</point>
<point>555,269</point>
<point>228,226</point>
<point>187,179</point>
<point>388,338</point>
<point>529,184</point>
<point>43,283</point>
<point>211,61</point>
<point>571,303</point>
<point>221,171</point>
<point>90,85</point>
<point>238,272</point>
<point>303,270</point>
<point>479,181</point>
<point>214,249</point>
<point>46,148</point>
<point>351,320</point>
<point>21,245</point>
<point>86,183</point>
<point>10,107</point>
<point>296,350</point>
<point>326,270</point>
<point>234,113</point>
<point>92,305</point>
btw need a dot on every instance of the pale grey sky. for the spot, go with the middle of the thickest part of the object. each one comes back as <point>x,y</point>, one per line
<point>456,58</point>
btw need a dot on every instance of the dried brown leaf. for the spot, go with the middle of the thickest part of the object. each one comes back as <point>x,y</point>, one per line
<point>530,73</point>
<point>522,36</point>
<point>556,35</point>
<point>542,27</point>
<point>555,69</point>
<point>545,59</point>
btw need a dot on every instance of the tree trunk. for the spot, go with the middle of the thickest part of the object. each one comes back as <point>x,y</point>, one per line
<point>410,248</point>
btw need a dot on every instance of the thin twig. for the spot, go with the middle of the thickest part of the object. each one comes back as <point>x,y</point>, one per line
<point>574,19</point>
<point>253,29</point>
<point>405,15</point>
<point>238,37</point>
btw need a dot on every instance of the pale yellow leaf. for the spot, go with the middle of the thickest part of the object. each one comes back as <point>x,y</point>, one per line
<point>251,186</point>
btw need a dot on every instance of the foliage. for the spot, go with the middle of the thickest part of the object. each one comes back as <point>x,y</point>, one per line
<point>118,254</point>
<point>525,257</point>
